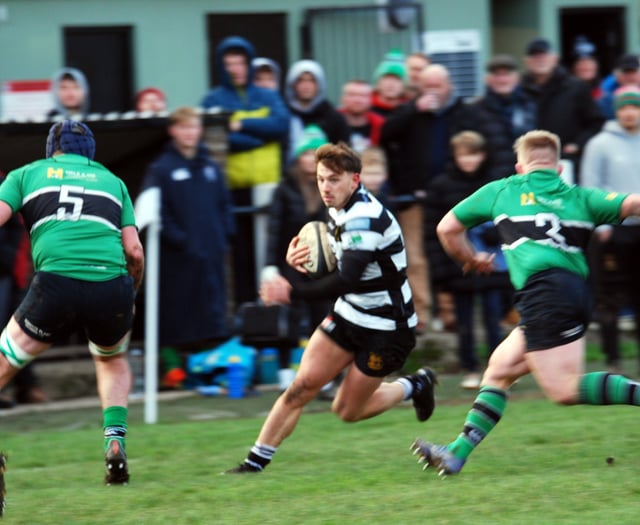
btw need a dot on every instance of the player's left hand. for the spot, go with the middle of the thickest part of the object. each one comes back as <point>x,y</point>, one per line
<point>276,290</point>
<point>482,262</point>
<point>297,255</point>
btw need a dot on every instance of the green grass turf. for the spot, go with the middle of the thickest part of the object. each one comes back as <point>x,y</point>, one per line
<point>543,464</point>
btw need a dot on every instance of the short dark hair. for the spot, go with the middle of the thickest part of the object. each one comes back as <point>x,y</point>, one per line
<point>68,76</point>
<point>236,51</point>
<point>339,158</point>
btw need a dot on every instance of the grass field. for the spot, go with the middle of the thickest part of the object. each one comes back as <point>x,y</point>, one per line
<point>542,465</point>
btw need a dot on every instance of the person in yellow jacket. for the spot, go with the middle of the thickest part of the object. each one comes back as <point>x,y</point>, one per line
<point>258,123</point>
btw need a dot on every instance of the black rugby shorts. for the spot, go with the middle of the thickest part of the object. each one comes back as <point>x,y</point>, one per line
<point>555,308</point>
<point>55,306</point>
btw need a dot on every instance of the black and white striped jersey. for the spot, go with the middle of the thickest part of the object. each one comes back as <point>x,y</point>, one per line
<point>368,244</point>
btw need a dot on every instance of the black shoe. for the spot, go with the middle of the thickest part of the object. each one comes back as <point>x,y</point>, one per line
<point>6,403</point>
<point>3,488</point>
<point>243,468</point>
<point>423,397</point>
<point>116,462</point>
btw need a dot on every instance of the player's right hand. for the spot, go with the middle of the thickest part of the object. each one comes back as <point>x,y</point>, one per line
<point>482,262</point>
<point>276,290</point>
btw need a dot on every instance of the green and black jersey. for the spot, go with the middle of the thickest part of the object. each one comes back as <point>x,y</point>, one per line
<point>542,221</point>
<point>74,209</point>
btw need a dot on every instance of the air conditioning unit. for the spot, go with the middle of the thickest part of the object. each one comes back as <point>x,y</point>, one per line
<point>459,52</point>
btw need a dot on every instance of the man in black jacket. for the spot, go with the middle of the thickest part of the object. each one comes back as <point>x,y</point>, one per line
<point>565,106</point>
<point>416,139</point>
<point>503,113</point>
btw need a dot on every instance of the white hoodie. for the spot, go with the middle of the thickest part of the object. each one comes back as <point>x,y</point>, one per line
<point>611,160</point>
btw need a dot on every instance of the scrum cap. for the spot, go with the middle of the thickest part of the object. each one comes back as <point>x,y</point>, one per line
<point>71,136</point>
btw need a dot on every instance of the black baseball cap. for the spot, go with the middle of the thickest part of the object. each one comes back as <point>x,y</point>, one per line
<point>628,62</point>
<point>538,46</point>
<point>502,62</point>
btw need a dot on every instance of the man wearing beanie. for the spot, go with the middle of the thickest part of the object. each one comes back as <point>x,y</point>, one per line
<point>564,103</point>
<point>88,263</point>
<point>306,98</point>
<point>611,163</point>
<point>389,80</point>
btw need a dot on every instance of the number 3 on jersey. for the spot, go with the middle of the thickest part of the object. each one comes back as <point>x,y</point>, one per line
<point>70,195</point>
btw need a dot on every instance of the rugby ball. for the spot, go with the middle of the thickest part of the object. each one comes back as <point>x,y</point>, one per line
<point>322,260</point>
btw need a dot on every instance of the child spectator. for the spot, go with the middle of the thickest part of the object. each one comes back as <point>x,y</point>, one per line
<point>197,227</point>
<point>151,100</point>
<point>468,173</point>
<point>374,174</point>
<point>266,73</point>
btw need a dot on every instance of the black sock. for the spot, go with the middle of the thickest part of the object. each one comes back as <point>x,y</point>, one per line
<point>260,456</point>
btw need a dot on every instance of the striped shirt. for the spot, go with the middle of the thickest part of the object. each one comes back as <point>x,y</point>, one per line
<point>381,297</point>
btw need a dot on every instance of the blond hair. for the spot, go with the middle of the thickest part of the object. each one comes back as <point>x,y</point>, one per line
<point>469,140</point>
<point>538,146</point>
<point>374,156</point>
<point>183,113</point>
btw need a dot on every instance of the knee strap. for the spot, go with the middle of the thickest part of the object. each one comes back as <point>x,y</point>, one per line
<point>16,356</point>
<point>119,349</point>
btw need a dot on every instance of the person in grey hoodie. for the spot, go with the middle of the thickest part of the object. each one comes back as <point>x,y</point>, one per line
<point>306,98</point>
<point>611,162</point>
<point>70,94</point>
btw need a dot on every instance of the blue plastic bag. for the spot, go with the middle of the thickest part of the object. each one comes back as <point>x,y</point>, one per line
<point>210,366</point>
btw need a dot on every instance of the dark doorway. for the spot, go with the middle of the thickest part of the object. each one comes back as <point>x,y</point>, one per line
<point>604,27</point>
<point>104,55</point>
<point>266,31</point>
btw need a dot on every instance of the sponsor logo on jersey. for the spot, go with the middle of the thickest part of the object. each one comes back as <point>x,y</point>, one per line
<point>611,196</point>
<point>527,199</point>
<point>358,224</point>
<point>355,239</point>
<point>55,173</point>
<point>556,204</point>
<point>72,174</point>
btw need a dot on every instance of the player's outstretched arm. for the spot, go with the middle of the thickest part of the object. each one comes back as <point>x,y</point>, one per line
<point>5,213</point>
<point>630,206</point>
<point>133,253</point>
<point>453,237</point>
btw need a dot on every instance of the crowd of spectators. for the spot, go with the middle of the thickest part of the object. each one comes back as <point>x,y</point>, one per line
<point>417,135</point>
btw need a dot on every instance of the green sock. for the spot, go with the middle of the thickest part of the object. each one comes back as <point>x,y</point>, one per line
<point>485,413</point>
<point>114,424</point>
<point>603,388</point>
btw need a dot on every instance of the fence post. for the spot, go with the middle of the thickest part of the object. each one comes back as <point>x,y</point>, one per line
<point>147,210</point>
